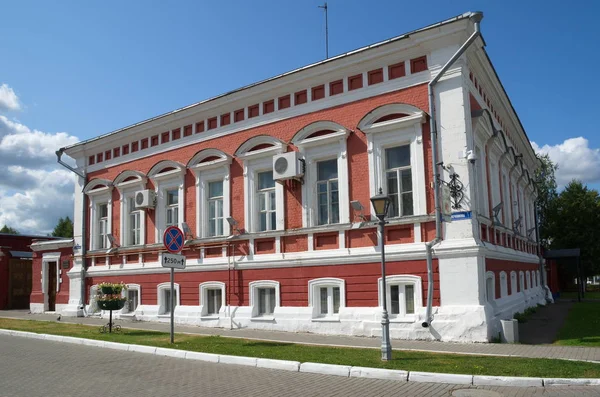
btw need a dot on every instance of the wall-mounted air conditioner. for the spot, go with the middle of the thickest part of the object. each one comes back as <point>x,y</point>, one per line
<point>145,199</point>
<point>287,166</point>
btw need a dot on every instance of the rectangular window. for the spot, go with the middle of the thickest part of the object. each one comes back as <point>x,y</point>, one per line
<point>266,301</point>
<point>213,300</point>
<point>103,226</point>
<point>329,300</point>
<point>172,207</point>
<point>327,192</point>
<point>134,223</point>
<point>215,208</point>
<point>399,180</point>
<point>167,300</point>
<point>265,190</point>
<point>133,299</point>
<point>402,299</point>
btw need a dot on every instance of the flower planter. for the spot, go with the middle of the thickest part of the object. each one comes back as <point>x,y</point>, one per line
<point>112,304</point>
<point>108,290</point>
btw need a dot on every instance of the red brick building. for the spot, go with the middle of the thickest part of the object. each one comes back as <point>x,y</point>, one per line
<point>273,182</point>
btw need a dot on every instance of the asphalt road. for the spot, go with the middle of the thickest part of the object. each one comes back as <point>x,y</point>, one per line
<point>30,367</point>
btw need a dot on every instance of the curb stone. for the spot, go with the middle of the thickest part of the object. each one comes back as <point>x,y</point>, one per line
<point>433,377</point>
<point>325,369</point>
<point>549,382</point>
<point>483,380</point>
<point>379,373</point>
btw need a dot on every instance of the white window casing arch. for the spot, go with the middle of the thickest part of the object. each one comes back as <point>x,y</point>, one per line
<point>93,305</point>
<point>513,282</point>
<point>204,298</point>
<point>130,306</point>
<point>396,284</point>
<point>161,290</point>
<point>167,176</point>
<point>490,286</point>
<point>401,131</point>
<point>211,165</point>
<point>324,147</point>
<point>318,303</point>
<point>255,162</point>
<point>503,284</point>
<point>521,281</point>
<point>255,287</point>
<point>128,183</point>
<point>528,279</point>
<point>99,192</point>
<point>537,278</point>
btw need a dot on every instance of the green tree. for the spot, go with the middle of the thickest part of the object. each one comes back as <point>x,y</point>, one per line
<point>8,230</point>
<point>573,221</point>
<point>64,228</point>
<point>545,181</point>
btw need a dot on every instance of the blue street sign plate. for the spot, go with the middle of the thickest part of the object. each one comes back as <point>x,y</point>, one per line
<point>173,239</point>
<point>459,216</point>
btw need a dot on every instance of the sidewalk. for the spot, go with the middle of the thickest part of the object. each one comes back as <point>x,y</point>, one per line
<point>495,349</point>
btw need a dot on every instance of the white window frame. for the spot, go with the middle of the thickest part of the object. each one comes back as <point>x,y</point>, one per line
<point>528,280</point>
<point>254,297</point>
<point>537,278</point>
<point>490,275</point>
<point>503,284</point>
<point>521,281</point>
<point>127,190</point>
<point>507,201</point>
<point>203,293</point>
<point>132,287</point>
<point>211,171</point>
<point>164,181</point>
<point>256,161</point>
<point>325,147</point>
<point>314,297</point>
<point>513,282</point>
<point>495,183</point>
<point>401,280</point>
<point>160,288</point>
<point>388,134</point>
<point>98,196</point>
<point>329,190</point>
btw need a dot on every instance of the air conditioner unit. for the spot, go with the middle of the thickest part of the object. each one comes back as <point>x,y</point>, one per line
<point>287,166</point>
<point>145,199</point>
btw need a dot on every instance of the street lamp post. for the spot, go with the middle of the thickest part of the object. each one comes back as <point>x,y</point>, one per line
<point>381,204</point>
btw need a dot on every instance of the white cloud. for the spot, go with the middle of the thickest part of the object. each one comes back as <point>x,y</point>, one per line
<point>20,145</point>
<point>575,160</point>
<point>8,98</point>
<point>34,190</point>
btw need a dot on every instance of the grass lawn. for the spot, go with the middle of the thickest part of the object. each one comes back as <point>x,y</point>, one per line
<point>582,327</point>
<point>412,361</point>
<point>573,295</point>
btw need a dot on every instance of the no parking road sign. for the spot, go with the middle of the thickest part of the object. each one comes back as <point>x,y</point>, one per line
<point>173,239</point>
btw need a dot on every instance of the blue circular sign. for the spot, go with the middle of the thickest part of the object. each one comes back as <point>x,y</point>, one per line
<point>173,239</point>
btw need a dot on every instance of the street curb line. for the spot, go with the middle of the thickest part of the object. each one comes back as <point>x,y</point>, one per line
<point>317,368</point>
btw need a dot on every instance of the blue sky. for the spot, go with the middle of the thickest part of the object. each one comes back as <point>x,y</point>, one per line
<point>88,68</point>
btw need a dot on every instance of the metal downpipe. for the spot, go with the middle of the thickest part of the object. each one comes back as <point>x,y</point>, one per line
<point>59,154</point>
<point>476,17</point>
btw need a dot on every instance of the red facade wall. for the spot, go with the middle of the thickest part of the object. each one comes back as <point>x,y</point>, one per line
<point>348,115</point>
<point>498,265</point>
<point>361,282</point>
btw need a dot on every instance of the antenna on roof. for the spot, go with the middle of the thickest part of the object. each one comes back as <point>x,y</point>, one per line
<point>326,31</point>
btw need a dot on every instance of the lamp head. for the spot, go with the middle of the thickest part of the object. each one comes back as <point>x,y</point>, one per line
<point>381,204</point>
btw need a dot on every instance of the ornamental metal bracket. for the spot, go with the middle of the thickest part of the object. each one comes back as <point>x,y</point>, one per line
<point>456,189</point>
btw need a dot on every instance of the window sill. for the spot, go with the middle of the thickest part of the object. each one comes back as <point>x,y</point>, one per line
<point>128,314</point>
<point>263,318</point>
<point>335,319</point>
<point>164,315</point>
<point>209,317</point>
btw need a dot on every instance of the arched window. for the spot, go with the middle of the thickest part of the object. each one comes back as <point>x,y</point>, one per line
<point>264,298</point>
<point>325,194</point>
<point>211,168</point>
<point>326,296</point>
<point>164,297</point>
<point>404,296</point>
<point>99,192</point>
<point>212,298</point>
<point>263,198</point>
<point>169,181</point>
<point>503,284</point>
<point>396,161</point>
<point>132,218</point>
